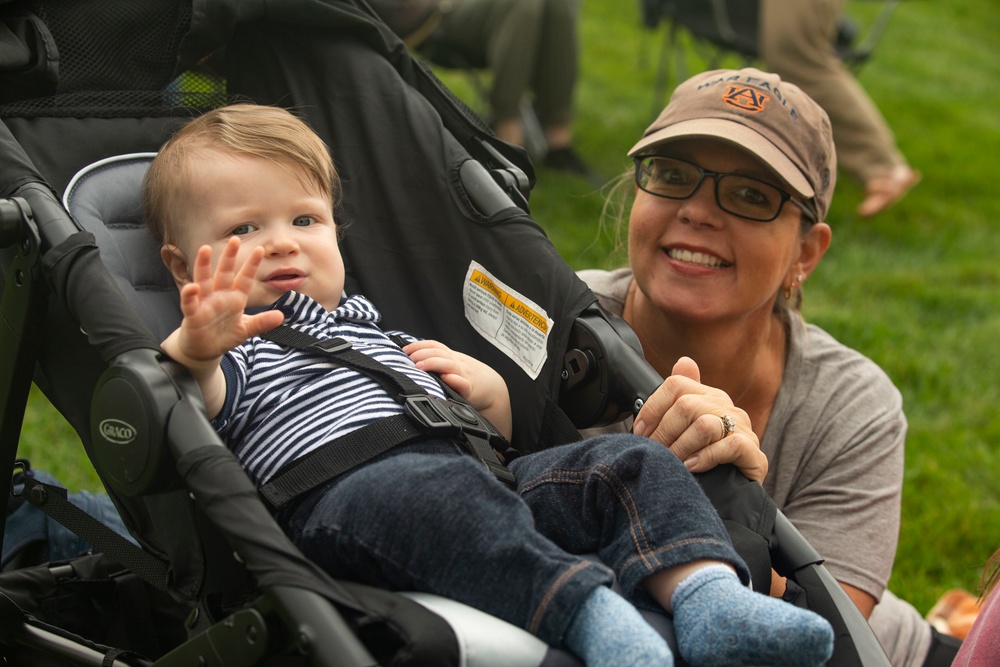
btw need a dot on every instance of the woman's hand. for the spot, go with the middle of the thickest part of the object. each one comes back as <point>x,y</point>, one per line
<point>474,381</point>
<point>687,417</point>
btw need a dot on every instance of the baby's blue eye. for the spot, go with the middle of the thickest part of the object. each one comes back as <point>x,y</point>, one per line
<point>302,221</point>
<point>241,230</point>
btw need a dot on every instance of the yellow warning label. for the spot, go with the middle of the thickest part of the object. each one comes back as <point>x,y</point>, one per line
<point>519,307</point>
<point>480,278</point>
<point>509,320</point>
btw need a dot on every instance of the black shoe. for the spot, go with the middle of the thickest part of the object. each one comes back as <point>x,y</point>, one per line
<point>566,159</point>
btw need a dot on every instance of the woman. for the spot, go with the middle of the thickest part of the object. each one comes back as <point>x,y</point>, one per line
<point>732,185</point>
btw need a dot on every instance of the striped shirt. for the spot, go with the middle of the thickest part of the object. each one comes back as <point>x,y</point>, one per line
<point>282,403</point>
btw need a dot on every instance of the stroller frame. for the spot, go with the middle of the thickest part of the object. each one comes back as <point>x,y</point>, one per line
<point>280,601</point>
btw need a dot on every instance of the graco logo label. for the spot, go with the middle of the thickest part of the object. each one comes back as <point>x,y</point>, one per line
<point>117,431</point>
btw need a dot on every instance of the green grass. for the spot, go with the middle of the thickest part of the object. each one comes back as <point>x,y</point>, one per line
<point>916,289</point>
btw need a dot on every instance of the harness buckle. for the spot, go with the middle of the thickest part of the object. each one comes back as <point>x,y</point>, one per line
<point>430,416</point>
<point>332,345</point>
<point>462,423</point>
<point>446,417</point>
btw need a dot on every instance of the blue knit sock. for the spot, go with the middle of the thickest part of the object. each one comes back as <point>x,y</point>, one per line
<point>607,631</point>
<point>718,621</point>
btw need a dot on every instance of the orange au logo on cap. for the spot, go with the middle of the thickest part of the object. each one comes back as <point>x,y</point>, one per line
<point>745,98</point>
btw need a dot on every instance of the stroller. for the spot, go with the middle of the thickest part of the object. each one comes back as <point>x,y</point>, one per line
<point>93,89</point>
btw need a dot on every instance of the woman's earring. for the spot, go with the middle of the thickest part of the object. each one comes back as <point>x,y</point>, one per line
<point>791,288</point>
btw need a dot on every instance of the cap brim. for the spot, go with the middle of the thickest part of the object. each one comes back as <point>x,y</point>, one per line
<point>738,135</point>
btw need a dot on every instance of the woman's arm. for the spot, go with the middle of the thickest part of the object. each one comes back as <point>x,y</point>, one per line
<point>865,602</point>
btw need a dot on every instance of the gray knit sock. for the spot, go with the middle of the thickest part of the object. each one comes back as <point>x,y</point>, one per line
<point>718,621</point>
<point>607,631</point>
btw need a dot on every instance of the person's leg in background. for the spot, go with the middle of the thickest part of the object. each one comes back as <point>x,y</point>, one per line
<point>530,46</point>
<point>554,86</point>
<point>557,71</point>
<point>796,41</point>
<point>502,35</point>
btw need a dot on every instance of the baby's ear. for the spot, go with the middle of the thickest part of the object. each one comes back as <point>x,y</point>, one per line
<point>176,263</point>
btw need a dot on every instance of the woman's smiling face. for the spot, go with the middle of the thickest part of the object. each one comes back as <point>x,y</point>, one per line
<point>695,261</point>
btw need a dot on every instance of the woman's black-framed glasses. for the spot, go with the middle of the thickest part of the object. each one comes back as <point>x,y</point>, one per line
<point>740,195</point>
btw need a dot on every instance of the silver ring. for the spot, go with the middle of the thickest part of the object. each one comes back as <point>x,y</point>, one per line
<point>728,425</point>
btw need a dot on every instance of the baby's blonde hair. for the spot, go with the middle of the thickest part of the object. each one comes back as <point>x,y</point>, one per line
<point>270,133</point>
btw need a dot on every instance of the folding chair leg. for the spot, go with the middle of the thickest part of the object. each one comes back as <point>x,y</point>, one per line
<point>534,135</point>
<point>672,67</point>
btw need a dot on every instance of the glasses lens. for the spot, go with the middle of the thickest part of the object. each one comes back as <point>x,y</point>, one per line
<point>667,177</point>
<point>749,198</point>
<point>740,195</point>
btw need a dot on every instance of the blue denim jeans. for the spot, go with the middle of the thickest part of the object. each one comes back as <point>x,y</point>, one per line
<point>427,517</point>
<point>630,501</point>
<point>28,526</point>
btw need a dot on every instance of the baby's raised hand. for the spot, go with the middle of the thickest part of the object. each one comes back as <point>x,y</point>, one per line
<point>213,304</point>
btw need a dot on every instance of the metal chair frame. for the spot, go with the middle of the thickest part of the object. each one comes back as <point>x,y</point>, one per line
<point>715,29</point>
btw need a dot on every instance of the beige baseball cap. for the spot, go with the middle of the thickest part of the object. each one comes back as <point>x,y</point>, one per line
<point>758,112</point>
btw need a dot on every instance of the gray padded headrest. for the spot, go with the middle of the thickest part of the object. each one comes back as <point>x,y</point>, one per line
<point>105,199</point>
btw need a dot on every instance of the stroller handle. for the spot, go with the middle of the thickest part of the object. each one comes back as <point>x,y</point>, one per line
<point>13,213</point>
<point>39,203</point>
<point>605,376</point>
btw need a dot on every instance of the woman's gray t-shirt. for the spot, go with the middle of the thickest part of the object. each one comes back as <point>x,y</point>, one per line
<point>834,444</point>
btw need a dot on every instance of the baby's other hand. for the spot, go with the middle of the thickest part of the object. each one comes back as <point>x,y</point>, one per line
<point>473,380</point>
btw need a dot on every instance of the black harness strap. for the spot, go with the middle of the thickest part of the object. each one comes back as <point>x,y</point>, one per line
<point>54,501</point>
<point>425,416</point>
<point>340,350</point>
<point>328,461</point>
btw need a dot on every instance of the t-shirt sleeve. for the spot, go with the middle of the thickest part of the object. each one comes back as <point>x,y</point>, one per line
<point>610,287</point>
<point>234,369</point>
<point>837,473</point>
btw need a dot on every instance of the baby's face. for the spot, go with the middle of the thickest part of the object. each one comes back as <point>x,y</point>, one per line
<point>268,205</point>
